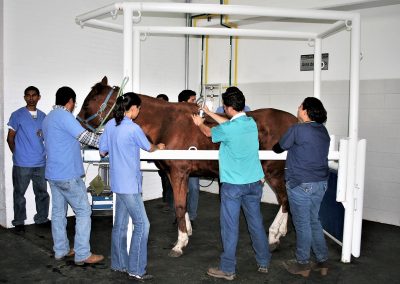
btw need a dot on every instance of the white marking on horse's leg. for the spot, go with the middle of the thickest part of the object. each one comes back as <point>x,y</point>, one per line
<point>278,227</point>
<point>188,224</point>
<point>182,242</point>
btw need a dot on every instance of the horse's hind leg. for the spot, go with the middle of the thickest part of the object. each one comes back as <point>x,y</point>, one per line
<point>278,228</point>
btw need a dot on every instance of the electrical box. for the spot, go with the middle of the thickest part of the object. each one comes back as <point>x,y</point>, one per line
<point>212,95</point>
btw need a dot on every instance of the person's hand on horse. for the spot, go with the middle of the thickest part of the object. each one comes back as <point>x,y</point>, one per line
<point>197,119</point>
<point>161,146</point>
<point>205,109</point>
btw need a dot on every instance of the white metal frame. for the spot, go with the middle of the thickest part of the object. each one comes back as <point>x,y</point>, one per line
<point>352,157</point>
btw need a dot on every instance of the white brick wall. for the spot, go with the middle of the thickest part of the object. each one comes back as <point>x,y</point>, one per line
<point>379,123</point>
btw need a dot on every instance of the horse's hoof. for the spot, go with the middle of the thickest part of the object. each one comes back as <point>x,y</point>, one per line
<point>273,247</point>
<point>173,253</point>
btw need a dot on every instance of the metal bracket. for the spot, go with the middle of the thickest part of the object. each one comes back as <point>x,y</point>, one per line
<point>348,24</point>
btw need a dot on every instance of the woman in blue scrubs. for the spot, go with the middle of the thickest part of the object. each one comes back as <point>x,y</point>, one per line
<point>122,140</point>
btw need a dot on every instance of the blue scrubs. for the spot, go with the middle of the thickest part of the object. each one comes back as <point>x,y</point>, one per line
<point>61,131</point>
<point>123,143</point>
<point>29,148</point>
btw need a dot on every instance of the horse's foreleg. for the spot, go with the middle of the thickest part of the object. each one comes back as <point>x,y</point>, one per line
<point>179,185</point>
<point>188,225</point>
<point>183,236</point>
<point>277,229</point>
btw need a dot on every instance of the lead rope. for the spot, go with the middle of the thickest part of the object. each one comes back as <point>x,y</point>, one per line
<point>120,92</point>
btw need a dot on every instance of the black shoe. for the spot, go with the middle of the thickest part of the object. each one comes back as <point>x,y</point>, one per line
<point>20,228</point>
<point>46,224</point>
<point>194,224</point>
<point>143,277</point>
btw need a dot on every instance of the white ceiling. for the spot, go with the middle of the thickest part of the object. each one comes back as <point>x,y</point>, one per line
<point>344,5</point>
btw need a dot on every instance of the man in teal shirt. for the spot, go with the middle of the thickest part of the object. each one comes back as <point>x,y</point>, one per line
<point>242,181</point>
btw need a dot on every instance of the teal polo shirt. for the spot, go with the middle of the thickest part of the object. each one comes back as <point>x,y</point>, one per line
<point>239,162</point>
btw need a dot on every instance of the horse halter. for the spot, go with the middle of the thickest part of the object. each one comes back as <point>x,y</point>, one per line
<point>98,113</point>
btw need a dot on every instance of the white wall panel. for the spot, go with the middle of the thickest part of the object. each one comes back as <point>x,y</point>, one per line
<point>43,46</point>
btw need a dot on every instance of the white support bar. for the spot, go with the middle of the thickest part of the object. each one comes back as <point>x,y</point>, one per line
<point>342,171</point>
<point>194,8</point>
<point>359,197</point>
<point>135,83</point>
<point>94,23</point>
<point>92,155</point>
<point>317,67</point>
<point>81,19</point>
<point>353,139</point>
<point>127,59</point>
<point>335,28</point>
<point>226,32</point>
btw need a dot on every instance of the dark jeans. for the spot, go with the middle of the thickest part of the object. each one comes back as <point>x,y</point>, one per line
<point>21,179</point>
<point>167,193</point>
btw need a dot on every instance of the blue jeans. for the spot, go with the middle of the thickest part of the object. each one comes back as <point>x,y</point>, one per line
<point>130,205</point>
<point>233,197</point>
<point>305,200</point>
<point>193,197</point>
<point>72,192</point>
<point>21,177</point>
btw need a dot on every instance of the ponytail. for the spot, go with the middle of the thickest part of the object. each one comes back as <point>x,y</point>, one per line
<point>123,104</point>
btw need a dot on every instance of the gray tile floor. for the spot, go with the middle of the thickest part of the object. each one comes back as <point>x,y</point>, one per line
<point>28,257</point>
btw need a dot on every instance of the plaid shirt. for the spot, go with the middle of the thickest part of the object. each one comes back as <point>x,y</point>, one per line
<point>86,137</point>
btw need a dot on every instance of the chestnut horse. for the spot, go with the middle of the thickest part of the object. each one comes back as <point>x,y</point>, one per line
<point>171,123</point>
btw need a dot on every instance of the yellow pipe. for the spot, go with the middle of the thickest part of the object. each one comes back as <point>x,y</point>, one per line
<point>206,63</point>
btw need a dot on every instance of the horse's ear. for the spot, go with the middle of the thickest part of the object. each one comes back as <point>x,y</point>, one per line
<point>104,81</point>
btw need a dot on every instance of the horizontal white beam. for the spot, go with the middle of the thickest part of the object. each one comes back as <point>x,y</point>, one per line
<point>93,155</point>
<point>226,32</point>
<point>96,13</point>
<point>194,8</point>
<point>94,23</point>
<point>335,28</point>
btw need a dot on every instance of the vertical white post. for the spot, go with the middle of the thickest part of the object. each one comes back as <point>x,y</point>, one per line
<point>136,62</point>
<point>317,67</point>
<point>353,138</point>
<point>359,197</point>
<point>342,171</point>
<point>128,13</point>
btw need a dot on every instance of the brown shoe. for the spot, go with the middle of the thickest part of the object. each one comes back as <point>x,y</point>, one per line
<point>217,273</point>
<point>322,267</point>
<point>293,267</point>
<point>71,253</point>
<point>93,258</point>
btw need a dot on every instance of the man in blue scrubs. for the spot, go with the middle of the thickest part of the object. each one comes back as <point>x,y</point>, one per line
<point>25,141</point>
<point>242,181</point>
<point>63,136</point>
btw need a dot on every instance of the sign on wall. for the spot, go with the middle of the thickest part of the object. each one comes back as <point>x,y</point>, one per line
<point>307,62</point>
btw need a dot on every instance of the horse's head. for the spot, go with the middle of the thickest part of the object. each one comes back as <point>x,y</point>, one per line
<point>98,104</point>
